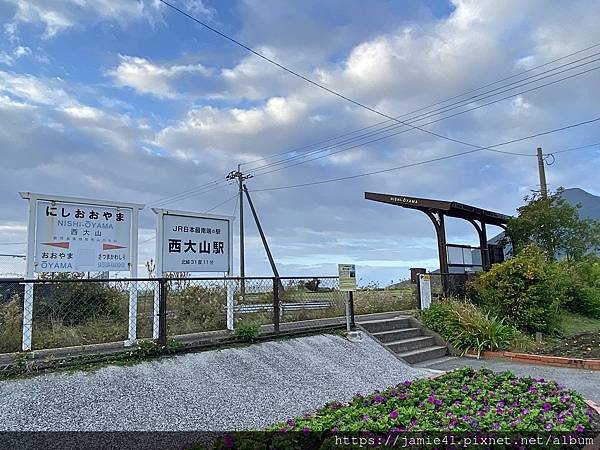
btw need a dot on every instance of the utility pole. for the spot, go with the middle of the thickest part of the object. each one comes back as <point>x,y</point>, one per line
<point>542,172</point>
<point>241,178</point>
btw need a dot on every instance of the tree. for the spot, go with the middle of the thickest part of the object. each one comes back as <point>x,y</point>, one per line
<point>555,226</point>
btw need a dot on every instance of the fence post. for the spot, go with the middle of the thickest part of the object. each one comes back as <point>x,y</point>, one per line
<point>276,282</point>
<point>162,312</point>
<point>419,306</point>
<point>351,304</point>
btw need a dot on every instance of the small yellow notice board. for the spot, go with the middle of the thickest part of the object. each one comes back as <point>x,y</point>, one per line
<point>347,273</point>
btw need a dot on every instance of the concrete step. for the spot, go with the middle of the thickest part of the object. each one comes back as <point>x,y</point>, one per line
<point>423,354</point>
<point>396,335</point>
<point>375,326</point>
<point>432,363</point>
<point>409,344</point>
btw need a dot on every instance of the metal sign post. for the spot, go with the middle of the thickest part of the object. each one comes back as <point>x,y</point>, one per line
<point>73,234</point>
<point>193,242</point>
<point>347,277</point>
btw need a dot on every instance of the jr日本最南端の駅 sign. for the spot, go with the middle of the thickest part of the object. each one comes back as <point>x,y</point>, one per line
<point>73,237</point>
<point>195,243</point>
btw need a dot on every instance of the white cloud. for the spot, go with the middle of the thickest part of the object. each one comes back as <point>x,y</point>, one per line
<point>57,16</point>
<point>33,89</point>
<point>146,77</point>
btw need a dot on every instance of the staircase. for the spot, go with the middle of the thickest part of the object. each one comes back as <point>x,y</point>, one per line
<point>406,338</point>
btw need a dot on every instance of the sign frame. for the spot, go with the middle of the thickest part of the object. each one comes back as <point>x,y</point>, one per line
<point>345,281</point>
<point>160,216</point>
<point>33,199</point>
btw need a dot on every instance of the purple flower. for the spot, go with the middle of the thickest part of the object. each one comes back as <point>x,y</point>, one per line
<point>580,428</point>
<point>335,429</point>
<point>431,398</point>
<point>291,422</point>
<point>499,411</point>
<point>548,426</point>
<point>379,399</point>
<point>365,417</point>
<point>525,411</point>
<point>437,402</point>
<point>394,414</point>
<point>306,431</point>
<point>546,407</point>
<point>532,390</point>
<point>496,426</point>
<point>407,383</point>
<point>453,422</point>
<point>501,403</point>
<point>402,396</point>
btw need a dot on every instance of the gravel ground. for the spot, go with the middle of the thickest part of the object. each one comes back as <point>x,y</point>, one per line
<point>242,388</point>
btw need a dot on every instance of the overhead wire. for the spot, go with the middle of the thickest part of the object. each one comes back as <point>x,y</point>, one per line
<point>350,141</point>
<point>426,107</point>
<point>418,163</point>
<point>256,174</point>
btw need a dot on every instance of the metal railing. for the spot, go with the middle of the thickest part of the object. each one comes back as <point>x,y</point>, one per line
<point>65,312</point>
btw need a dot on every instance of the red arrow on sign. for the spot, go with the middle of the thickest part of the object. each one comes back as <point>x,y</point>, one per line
<point>112,247</point>
<point>57,244</point>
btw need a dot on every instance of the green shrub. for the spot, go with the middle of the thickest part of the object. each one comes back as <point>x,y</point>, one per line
<point>11,320</point>
<point>196,308</point>
<point>523,291</point>
<point>75,303</point>
<point>468,328</point>
<point>247,332</point>
<point>581,283</point>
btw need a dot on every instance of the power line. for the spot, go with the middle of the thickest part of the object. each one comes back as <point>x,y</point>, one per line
<point>441,158</point>
<point>425,124</point>
<point>597,144</point>
<point>183,194</point>
<point>314,83</point>
<point>426,107</point>
<point>391,128</point>
<point>222,203</point>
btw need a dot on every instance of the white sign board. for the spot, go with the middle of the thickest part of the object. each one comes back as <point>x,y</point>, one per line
<point>74,237</point>
<point>195,243</point>
<point>425,290</point>
<point>347,274</point>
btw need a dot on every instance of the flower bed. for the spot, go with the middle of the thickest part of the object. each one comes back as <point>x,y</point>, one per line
<point>463,404</point>
<point>463,400</point>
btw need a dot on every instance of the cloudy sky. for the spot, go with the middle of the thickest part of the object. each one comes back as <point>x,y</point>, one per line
<point>129,100</point>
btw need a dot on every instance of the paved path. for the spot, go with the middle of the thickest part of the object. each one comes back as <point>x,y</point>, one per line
<point>239,388</point>
<point>587,382</point>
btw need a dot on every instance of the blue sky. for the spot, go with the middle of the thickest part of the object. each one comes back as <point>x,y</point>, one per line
<point>130,101</point>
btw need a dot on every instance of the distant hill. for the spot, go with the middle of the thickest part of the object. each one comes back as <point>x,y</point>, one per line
<point>590,204</point>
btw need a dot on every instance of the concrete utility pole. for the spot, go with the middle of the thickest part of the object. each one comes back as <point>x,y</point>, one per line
<point>241,178</point>
<point>542,171</point>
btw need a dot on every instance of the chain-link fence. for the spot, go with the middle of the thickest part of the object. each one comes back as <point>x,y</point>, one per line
<point>12,266</point>
<point>72,311</point>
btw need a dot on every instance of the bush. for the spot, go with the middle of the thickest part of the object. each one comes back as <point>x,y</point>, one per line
<point>468,328</point>
<point>581,282</point>
<point>523,291</point>
<point>75,303</point>
<point>11,320</point>
<point>247,332</point>
<point>196,308</point>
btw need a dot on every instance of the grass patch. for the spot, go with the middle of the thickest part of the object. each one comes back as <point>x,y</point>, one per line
<point>574,324</point>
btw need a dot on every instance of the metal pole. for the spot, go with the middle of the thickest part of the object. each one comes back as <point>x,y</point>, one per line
<point>263,237</point>
<point>351,302</point>
<point>133,257</point>
<point>542,172</point>
<point>242,256</point>
<point>348,321</point>
<point>162,313</point>
<point>276,318</point>
<point>158,272</point>
<point>29,274</point>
